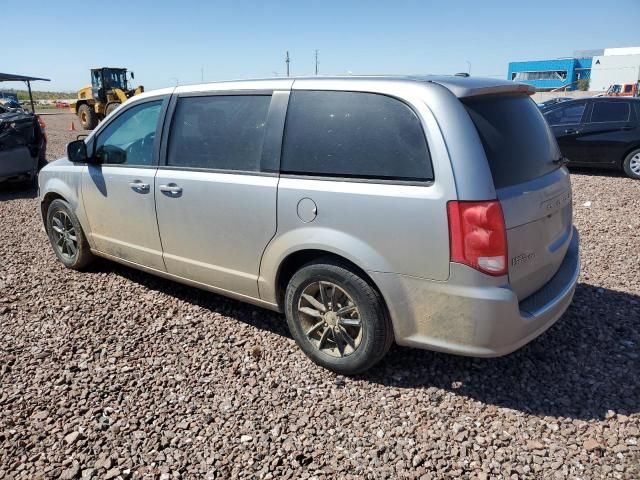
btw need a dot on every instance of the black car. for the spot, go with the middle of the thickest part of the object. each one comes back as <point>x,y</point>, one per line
<point>601,132</point>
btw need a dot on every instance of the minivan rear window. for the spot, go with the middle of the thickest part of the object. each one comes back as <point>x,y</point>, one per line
<point>354,135</point>
<point>517,141</point>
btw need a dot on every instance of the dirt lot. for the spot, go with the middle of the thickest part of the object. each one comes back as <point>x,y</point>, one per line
<point>58,132</point>
<point>117,373</point>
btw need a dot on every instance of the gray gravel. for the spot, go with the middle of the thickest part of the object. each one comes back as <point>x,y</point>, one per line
<point>117,374</point>
<point>58,132</point>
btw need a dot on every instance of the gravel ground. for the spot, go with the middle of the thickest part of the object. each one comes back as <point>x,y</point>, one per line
<point>58,133</point>
<point>115,373</point>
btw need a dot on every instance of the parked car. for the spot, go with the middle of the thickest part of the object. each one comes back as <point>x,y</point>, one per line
<point>8,97</point>
<point>434,212</point>
<point>8,106</point>
<point>602,132</point>
<point>23,146</point>
<point>553,101</point>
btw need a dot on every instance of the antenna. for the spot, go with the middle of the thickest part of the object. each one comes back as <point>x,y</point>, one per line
<point>287,60</point>
<point>316,63</point>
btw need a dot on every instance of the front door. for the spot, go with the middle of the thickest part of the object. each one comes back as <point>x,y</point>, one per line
<point>118,193</point>
<point>566,123</point>
<point>216,205</point>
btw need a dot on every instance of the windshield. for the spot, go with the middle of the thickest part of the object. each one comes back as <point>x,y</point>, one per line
<point>115,79</point>
<point>517,140</point>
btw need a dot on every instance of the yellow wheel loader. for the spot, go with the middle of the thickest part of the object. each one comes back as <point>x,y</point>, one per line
<point>108,89</point>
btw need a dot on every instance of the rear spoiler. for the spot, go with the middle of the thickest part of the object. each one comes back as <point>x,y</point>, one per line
<point>468,89</point>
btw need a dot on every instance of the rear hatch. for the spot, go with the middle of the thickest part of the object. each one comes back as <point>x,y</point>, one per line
<point>534,191</point>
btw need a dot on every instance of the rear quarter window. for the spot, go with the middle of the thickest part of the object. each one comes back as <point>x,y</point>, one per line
<point>517,141</point>
<point>354,135</point>
<point>610,112</point>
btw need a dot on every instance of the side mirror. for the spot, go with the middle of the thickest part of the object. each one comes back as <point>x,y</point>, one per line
<point>77,151</point>
<point>111,154</point>
<point>132,75</point>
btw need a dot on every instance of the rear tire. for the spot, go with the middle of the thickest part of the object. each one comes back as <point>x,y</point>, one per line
<point>631,164</point>
<point>88,117</point>
<point>67,237</point>
<point>337,318</point>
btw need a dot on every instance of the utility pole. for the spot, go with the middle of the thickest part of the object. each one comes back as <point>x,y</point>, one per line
<point>202,74</point>
<point>316,63</point>
<point>287,60</point>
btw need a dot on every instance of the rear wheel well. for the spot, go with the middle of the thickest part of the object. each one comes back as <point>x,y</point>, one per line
<point>44,206</point>
<point>627,153</point>
<point>291,264</point>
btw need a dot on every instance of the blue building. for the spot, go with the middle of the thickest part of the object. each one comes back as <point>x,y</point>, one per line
<point>551,74</point>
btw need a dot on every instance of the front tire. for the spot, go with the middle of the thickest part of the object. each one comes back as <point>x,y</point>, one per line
<point>337,318</point>
<point>66,236</point>
<point>631,164</point>
<point>88,117</point>
<point>110,108</point>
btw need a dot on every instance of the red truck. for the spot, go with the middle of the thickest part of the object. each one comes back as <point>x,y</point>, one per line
<point>624,90</point>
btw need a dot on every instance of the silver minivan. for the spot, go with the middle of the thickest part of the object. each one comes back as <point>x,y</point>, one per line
<point>433,212</point>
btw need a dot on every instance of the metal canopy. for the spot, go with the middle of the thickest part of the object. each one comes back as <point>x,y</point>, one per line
<point>11,77</point>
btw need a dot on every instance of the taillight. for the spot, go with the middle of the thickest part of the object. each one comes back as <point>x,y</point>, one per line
<point>478,236</point>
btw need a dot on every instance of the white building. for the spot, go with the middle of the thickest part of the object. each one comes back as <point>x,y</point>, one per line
<point>622,51</point>
<point>616,66</point>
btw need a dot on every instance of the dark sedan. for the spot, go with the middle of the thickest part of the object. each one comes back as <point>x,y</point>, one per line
<point>602,132</point>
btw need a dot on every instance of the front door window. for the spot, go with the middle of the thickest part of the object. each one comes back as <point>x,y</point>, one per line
<point>567,115</point>
<point>129,138</point>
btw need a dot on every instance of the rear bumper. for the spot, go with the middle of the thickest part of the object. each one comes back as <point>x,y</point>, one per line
<point>472,314</point>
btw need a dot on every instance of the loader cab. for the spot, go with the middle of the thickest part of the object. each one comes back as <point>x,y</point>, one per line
<point>104,80</point>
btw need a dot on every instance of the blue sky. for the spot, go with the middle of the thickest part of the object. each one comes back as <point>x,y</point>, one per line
<point>167,41</point>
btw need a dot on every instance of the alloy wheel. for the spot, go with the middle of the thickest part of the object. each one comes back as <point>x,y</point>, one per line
<point>330,319</point>
<point>65,239</point>
<point>634,164</point>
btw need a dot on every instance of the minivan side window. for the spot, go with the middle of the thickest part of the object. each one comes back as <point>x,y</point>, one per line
<point>129,138</point>
<point>218,132</point>
<point>567,115</point>
<point>610,112</point>
<point>355,135</point>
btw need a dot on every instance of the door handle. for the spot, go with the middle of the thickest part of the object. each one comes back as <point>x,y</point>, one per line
<point>138,186</point>
<point>571,130</point>
<point>171,188</point>
<point>628,127</point>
